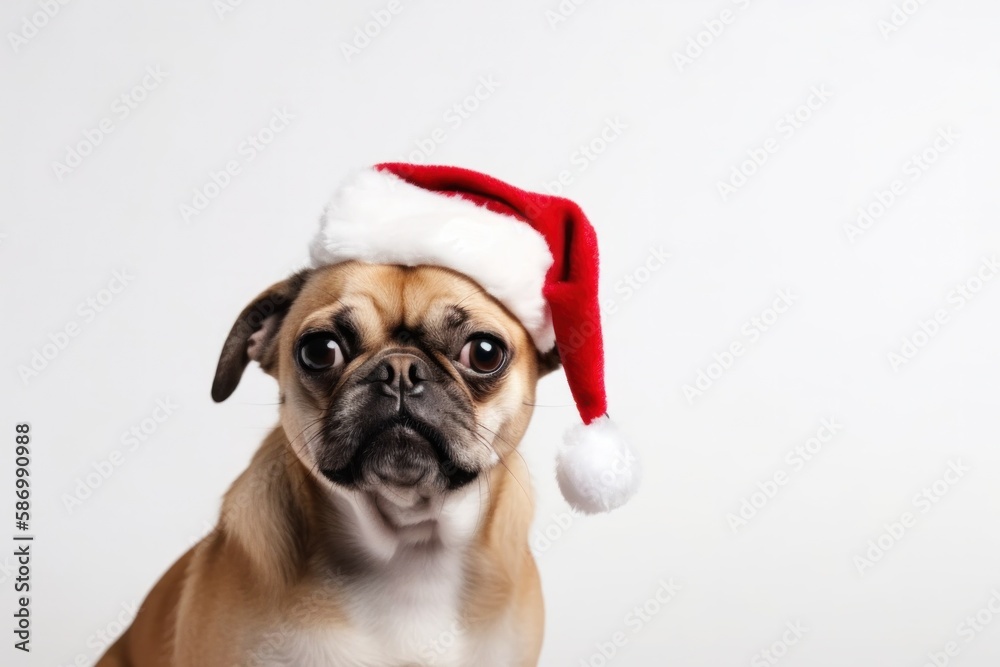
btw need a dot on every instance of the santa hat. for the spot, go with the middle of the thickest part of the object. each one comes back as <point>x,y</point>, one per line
<point>534,253</point>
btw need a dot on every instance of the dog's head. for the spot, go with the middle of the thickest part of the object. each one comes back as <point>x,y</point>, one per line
<point>406,377</point>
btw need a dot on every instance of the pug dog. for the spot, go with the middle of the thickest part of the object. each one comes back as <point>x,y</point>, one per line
<point>384,522</point>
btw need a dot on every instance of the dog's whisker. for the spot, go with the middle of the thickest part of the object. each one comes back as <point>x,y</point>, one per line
<point>480,290</point>
<point>495,434</point>
<point>512,448</point>
<point>489,492</point>
<point>501,459</point>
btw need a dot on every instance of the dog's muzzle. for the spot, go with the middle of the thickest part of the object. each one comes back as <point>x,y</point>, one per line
<point>404,423</point>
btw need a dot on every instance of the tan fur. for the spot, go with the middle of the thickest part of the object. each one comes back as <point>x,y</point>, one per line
<point>275,559</point>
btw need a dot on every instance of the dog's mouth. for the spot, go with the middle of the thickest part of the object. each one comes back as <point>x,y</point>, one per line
<point>401,452</point>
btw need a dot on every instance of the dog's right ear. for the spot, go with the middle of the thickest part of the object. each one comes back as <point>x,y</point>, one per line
<point>253,334</point>
<point>548,362</point>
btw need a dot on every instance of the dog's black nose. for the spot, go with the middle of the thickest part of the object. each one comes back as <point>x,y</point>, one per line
<point>401,374</point>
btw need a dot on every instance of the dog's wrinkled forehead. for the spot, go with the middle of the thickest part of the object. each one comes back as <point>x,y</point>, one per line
<point>375,306</point>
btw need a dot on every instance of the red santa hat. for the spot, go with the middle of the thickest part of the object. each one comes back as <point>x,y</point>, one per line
<point>534,253</point>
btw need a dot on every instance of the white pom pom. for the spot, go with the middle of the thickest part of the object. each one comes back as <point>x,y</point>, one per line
<point>597,470</point>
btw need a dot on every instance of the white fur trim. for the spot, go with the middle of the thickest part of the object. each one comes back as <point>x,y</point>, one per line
<point>381,219</point>
<point>597,469</point>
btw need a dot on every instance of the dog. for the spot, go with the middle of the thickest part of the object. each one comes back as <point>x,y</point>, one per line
<point>384,522</point>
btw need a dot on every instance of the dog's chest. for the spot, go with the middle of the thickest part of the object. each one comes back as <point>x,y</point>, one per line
<point>409,616</point>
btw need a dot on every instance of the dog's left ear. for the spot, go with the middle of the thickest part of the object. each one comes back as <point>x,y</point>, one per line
<point>253,333</point>
<point>548,362</point>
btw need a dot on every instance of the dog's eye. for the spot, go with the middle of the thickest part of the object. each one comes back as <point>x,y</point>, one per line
<point>319,352</point>
<point>483,355</point>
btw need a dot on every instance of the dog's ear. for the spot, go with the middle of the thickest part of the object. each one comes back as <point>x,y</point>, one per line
<point>253,334</point>
<point>548,361</point>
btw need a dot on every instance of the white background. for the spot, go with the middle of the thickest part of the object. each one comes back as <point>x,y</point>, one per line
<point>654,186</point>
